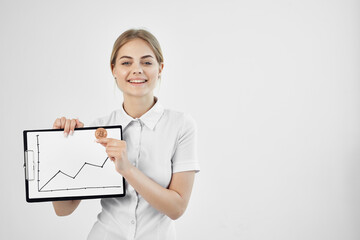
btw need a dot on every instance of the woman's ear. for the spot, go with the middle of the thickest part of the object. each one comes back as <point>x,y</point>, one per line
<point>113,72</point>
<point>161,67</point>
<point>112,69</point>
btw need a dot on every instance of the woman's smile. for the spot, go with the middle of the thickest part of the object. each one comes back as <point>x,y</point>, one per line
<point>137,81</point>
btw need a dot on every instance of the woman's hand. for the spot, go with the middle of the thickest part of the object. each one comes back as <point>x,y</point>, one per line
<point>67,124</point>
<point>64,208</point>
<point>116,151</point>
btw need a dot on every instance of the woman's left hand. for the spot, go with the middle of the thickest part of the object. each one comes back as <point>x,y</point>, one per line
<point>116,151</point>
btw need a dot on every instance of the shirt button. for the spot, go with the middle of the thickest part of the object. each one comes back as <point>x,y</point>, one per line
<point>132,221</point>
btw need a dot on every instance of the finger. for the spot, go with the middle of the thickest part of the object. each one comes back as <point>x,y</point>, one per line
<point>114,149</point>
<point>111,142</point>
<point>57,124</point>
<point>104,140</point>
<point>67,127</point>
<point>62,122</point>
<point>103,144</point>
<point>114,153</point>
<point>118,144</point>
<point>79,124</point>
<point>72,126</point>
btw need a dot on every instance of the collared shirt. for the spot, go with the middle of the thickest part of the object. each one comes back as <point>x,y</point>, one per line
<point>159,143</point>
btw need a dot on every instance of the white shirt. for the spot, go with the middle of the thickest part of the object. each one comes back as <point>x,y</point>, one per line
<point>159,143</point>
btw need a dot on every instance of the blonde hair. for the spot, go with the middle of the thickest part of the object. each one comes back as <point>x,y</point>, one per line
<point>133,34</point>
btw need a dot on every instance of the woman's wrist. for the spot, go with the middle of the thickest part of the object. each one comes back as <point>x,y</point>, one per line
<point>128,171</point>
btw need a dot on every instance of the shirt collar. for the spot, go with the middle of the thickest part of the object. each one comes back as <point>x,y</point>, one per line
<point>150,118</point>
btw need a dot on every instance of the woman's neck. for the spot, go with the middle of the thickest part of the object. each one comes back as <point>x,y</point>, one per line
<point>136,107</point>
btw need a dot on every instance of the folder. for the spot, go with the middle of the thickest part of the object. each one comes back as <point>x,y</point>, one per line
<point>61,168</point>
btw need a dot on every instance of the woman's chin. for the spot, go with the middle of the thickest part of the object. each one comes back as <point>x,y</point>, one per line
<point>138,94</point>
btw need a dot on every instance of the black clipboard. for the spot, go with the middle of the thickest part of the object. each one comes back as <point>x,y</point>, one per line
<point>61,168</point>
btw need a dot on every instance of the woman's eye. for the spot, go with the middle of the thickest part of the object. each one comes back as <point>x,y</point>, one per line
<point>148,63</point>
<point>125,63</point>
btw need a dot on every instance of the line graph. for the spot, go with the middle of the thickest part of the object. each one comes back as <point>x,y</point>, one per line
<point>60,172</point>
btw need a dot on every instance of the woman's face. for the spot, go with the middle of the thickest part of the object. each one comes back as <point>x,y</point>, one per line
<point>136,69</point>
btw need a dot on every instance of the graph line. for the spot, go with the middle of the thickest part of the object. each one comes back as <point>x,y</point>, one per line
<point>80,188</point>
<point>67,175</point>
<point>73,177</point>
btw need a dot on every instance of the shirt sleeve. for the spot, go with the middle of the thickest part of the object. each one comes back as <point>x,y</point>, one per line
<point>185,156</point>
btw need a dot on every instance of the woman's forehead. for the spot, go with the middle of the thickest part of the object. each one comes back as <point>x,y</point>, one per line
<point>136,48</point>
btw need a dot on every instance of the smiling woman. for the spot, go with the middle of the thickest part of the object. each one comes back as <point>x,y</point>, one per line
<point>157,156</point>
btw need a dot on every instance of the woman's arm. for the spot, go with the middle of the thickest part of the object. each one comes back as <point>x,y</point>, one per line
<point>64,208</point>
<point>171,201</point>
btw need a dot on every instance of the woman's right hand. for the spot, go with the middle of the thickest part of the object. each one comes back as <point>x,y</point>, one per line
<point>68,125</point>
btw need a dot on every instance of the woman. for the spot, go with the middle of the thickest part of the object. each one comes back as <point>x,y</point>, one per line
<point>157,157</point>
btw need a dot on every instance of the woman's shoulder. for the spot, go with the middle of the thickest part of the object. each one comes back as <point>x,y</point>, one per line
<point>177,114</point>
<point>183,119</point>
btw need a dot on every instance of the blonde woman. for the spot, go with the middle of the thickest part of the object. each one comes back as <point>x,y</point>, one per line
<point>157,157</point>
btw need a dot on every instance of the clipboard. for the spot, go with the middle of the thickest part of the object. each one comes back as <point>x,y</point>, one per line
<point>75,167</point>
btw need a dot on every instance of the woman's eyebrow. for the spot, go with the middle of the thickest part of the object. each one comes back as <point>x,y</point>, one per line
<point>125,57</point>
<point>146,56</point>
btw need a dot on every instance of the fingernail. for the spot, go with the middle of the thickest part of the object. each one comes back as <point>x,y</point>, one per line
<point>71,132</point>
<point>65,134</point>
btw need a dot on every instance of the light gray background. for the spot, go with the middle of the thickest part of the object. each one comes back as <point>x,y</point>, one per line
<point>273,85</point>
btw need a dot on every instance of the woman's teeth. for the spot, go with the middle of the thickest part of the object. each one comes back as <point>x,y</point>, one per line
<point>137,81</point>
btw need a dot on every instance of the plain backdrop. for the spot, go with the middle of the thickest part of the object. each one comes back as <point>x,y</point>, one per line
<point>274,87</point>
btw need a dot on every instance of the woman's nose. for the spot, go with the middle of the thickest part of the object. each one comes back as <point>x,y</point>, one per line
<point>137,69</point>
